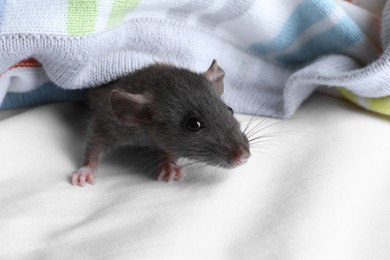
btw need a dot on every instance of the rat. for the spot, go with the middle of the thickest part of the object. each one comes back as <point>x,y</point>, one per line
<point>173,109</point>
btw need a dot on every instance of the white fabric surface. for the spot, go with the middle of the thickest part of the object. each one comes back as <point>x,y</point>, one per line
<point>320,192</point>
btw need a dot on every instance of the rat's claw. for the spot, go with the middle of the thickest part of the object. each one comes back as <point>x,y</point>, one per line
<point>82,175</point>
<point>170,172</point>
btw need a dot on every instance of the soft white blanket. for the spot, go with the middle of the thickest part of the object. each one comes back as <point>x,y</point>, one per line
<point>273,52</point>
<point>320,191</point>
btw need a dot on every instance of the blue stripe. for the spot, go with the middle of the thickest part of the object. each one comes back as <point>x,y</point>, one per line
<point>2,11</point>
<point>338,38</point>
<point>47,93</point>
<point>304,15</point>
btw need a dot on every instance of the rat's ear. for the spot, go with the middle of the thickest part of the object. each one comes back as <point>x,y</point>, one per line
<point>130,109</point>
<point>215,74</point>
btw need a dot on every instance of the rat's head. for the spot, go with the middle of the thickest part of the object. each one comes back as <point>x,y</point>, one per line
<point>184,114</point>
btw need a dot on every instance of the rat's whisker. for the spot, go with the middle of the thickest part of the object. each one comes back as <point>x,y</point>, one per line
<point>196,162</point>
<point>149,151</point>
<point>262,128</point>
<point>254,116</point>
<point>260,123</point>
<point>151,167</point>
<point>265,146</point>
<point>278,134</point>
<point>273,140</point>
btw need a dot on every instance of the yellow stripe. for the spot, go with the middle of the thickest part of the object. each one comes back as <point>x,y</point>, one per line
<point>349,95</point>
<point>379,105</point>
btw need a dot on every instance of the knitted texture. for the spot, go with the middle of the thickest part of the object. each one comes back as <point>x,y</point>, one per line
<point>275,53</point>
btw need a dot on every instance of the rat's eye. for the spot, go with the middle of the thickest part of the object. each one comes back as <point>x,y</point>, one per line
<point>231,110</point>
<point>193,124</point>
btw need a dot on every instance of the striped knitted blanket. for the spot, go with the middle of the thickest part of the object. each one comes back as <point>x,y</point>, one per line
<point>275,53</point>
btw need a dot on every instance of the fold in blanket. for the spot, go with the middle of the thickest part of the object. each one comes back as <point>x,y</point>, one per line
<point>274,53</point>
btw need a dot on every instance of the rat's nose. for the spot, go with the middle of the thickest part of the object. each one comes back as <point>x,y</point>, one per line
<point>242,156</point>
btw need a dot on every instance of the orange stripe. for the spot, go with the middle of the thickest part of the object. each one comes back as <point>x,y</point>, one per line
<point>27,63</point>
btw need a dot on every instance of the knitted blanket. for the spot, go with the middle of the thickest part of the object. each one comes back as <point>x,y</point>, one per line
<point>275,53</point>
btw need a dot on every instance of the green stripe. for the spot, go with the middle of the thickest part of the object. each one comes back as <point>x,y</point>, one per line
<point>82,16</point>
<point>119,10</point>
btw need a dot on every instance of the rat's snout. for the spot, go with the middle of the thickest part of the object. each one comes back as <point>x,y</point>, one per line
<point>241,156</point>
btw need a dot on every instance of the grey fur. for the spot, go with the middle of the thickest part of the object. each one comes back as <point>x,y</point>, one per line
<point>174,94</point>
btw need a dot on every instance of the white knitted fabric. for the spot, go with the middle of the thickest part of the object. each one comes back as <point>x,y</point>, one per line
<point>274,53</point>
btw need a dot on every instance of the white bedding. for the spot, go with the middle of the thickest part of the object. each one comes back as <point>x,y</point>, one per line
<point>321,191</point>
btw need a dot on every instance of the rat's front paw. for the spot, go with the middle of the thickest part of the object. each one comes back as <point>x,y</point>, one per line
<point>82,175</point>
<point>169,172</point>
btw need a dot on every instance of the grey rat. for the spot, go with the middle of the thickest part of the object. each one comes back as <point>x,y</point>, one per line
<point>173,109</point>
